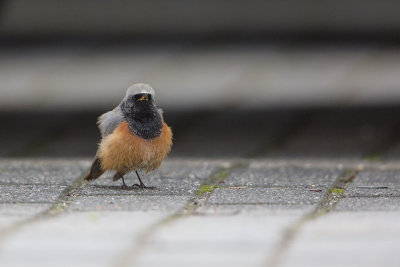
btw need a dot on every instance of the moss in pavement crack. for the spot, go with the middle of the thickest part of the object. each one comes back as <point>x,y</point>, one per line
<point>326,205</point>
<point>336,191</point>
<point>213,182</point>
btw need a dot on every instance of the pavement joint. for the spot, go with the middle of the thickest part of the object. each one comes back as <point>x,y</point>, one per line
<point>58,206</point>
<point>131,256</point>
<point>326,205</point>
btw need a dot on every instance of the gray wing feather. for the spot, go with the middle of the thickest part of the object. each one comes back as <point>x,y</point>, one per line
<point>109,121</point>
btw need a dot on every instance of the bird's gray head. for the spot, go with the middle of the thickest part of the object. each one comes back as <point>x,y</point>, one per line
<point>139,110</point>
<point>138,96</point>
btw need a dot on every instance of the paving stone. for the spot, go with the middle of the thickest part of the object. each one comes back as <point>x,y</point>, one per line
<point>30,193</point>
<point>76,239</point>
<point>128,202</point>
<point>282,176</point>
<point>253,209</point>
<point>347,239</point>
<point>285,196</point>
<point>45,172</point>
<point>375,184</point>
<point>377,177</point>
<point>236,240</point>
<point>369,204</point>
<point>11,213</point>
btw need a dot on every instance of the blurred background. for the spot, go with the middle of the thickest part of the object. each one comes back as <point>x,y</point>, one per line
<point>282,79</point>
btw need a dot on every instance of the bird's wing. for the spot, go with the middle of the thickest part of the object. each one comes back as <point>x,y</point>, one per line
<point>109,121</point>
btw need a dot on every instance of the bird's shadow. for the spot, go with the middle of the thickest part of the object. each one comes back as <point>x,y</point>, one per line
<point>119,188</point>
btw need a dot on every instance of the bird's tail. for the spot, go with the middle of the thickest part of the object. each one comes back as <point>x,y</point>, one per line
<point>95,170</point>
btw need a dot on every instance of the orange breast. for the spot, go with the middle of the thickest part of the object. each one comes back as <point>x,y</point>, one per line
<point>124,151</point>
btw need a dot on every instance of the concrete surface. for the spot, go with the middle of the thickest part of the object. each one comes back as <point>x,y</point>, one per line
<point>202,213</point>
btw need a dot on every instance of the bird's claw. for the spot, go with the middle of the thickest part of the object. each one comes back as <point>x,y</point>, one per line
<point>142,186</point>
<point>125,187</point>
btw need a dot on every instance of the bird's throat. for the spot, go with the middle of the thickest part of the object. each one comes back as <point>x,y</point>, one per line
<point>145,123</point>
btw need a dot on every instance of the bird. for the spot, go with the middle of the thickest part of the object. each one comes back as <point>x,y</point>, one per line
<point>134,137</point>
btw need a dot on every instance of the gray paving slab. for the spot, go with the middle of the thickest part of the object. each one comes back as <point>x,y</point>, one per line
<point>253,209</point>
<point>262,175</point>
<point>375,184</point>
<point>347,239</point>
<point>220,239</point>
<point>11,213</point>
<point>129,203</point>
<point>45,172</point>
<point>383,203</point>
<point>30,193</point>
<point>283,196</point>
<point>76,239</point>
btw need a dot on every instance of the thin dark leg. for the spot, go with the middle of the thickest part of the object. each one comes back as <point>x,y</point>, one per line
<point>124,186</point>
<point>141,185</point>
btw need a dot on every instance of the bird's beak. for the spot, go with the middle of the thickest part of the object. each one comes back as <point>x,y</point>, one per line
<point>144,98</point>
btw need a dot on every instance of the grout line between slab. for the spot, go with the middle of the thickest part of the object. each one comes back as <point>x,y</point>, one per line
<point>132,255</point>
<point>326,205</point>
<point>58,206</point>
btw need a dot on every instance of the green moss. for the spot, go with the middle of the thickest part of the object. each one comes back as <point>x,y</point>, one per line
<point>337,191</point>
<point>213,182</point>
<point>207,188</point>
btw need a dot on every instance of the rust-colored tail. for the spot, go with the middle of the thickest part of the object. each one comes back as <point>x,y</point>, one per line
<point>95,170</point>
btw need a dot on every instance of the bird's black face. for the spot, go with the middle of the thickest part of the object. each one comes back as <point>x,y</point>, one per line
<point>142,115</point>
<point>139,106</point>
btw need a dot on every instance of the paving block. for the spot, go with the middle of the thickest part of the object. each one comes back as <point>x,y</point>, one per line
<point>45,172</point>
<point>236,240</point>
<point>260,175</point>
<point>281,196</point>
<point>368,204</point>
<point>128,203</point>
<point>30,193</point>
<point>11,213</point>
<point>76,239</point>
<point>377,183</point>
<point>347,239</point>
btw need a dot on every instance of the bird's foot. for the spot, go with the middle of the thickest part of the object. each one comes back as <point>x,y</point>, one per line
<point>142,186</point>
<point>125,187</point>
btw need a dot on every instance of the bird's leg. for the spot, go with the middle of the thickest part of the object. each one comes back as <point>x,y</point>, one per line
<point>119,175</point>
<point>141,185</point>
<point>124,186</point>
